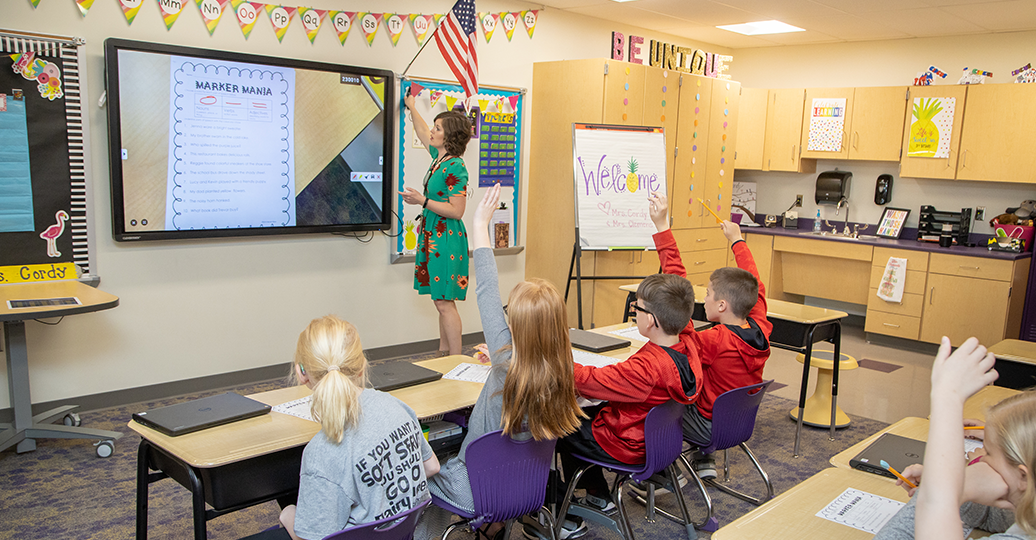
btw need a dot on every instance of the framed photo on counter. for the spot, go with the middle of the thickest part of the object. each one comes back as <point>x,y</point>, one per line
<point>891,223</point>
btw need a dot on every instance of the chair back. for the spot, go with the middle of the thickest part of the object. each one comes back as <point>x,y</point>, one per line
<point>663,438</point>
<point>398,527</point>
<point>733,416</point>
<point>508,477</point>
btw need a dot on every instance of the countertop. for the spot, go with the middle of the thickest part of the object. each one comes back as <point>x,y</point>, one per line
<point>906,242</point>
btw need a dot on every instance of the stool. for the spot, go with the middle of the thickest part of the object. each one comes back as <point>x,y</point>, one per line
<point>818,406</point>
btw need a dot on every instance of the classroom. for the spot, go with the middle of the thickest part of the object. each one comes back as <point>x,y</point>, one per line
<point>197,315</point>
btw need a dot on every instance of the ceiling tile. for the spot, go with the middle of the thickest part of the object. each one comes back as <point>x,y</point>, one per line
<point>703,12</point>
<point>998,16</point>
<point>856,6</point>
<point>925,22</point>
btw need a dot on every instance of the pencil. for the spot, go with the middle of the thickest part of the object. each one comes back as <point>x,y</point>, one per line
<point>895,472</point>
<point>714,214</point>
<point>974,427</point>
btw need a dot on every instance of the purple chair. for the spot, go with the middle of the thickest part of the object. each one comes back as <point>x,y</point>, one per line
<point>508,480</point>
<point>663,440</point>
<point>398,527</point>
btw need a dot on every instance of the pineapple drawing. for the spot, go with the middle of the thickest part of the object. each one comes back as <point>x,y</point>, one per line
<point>632,180</point>
<point>924,136</point>
<point>409,238</point>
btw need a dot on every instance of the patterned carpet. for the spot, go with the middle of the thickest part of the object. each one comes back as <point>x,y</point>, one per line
<point>63,491</point>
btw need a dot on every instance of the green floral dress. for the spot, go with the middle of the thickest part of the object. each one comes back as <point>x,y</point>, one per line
<point>442,243</point>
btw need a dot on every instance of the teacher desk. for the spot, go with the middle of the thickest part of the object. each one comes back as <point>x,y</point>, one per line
<point>252,461</point>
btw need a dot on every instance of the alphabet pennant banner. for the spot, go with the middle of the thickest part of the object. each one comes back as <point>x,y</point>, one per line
<point>311,19</point>
<point>171,9</point>
<point>84,6</point>
<point>130,9</point>
<point>488,21</point>
<point>369,24</point>
<point>211,11</point>
<point>530,18</point>
<point>342,21</point>
<point>247,14</point>
<point>280,17</point>
<point>434,97</point>
<point>421,24</point>
<point>395,25</point>
<point>35,3</point>
<point>510,22</point>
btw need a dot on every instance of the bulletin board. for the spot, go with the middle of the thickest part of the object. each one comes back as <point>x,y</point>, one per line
<point>494,157</point>
<point>43,170</point>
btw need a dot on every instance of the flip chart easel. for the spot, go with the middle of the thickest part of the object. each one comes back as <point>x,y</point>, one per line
<point>615,169</point>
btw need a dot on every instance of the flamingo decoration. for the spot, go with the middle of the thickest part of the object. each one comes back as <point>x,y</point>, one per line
<point>53,232</point>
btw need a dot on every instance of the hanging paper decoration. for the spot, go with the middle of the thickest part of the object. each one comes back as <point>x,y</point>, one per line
<point>280,17</point>
<point>311,19</point>
<point>369,24</point>
<point>450,102</point>
<point>171,9</point>
<point>434,98</point>
<point>84,6</point>
<point>247,14</point>
<point>395,25</point>
<point>530,18</point>
<point>415,89</point>
<point>489,21</point>
<point>510,22</point>
<point>421,25</point>
<point>211,11</point>
<point>514,102</point>
<point>439,17</point>
<point>35,3</point>
<point>130,9</point>
<point>47,74</point>
<point>343,22</point>
<point>483,104</point>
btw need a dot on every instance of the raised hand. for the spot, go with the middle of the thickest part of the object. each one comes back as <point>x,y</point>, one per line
<point>964,371</point>
<point>483,214</point>
<point>731,230</point>
<point>658,209</point>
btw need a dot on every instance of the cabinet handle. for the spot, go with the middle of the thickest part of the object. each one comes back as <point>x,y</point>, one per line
<point>949,159</point>
<point>702,240</point>
<point>699,263</point>
<point>970,267</point>
<point>856,138</point>
<point>964,164</point>
<point>793,153</point>
<point>931,296</point>
<point>890,324</point>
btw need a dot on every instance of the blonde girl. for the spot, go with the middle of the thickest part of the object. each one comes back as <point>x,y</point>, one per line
<point>530,391</point>
<point>370,459</point>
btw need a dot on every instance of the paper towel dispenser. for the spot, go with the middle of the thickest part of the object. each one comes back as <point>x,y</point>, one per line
<point>832,186</point>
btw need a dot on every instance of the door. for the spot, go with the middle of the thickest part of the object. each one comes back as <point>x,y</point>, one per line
<point>931,167</point>
<point>825,130</point>
<point>783,130</point>
<point>878,115</point>
<point>962,307</point>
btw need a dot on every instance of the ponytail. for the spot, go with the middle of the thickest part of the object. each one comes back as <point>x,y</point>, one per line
<point>330,353</point>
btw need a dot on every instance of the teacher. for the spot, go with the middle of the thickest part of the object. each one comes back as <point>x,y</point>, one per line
<point>441,270</point>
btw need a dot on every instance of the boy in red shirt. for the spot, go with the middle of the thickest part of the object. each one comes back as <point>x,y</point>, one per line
<point>734,351</point>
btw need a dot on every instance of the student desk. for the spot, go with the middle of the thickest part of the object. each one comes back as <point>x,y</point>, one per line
<point>792,514</point>
<point>27,428</point>
<point>257,460</point>
<point>1016,363</point>
<point>977,405</point>
<point>631,294</point>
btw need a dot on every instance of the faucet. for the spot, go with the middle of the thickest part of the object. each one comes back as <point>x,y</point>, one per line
<point>844,201</point>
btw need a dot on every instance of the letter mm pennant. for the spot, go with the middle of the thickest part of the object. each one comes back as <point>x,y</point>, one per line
<point>421,25</point>
<point>394,24</point>
<point>369,23</point>
<point>211,11</point>
<point>342,21</point>
<point>247,14</point>
<point>171,10</point>
<point>280,18</point>
<point>130,9</point>
<point>311,20</point>
<point>510,22</point>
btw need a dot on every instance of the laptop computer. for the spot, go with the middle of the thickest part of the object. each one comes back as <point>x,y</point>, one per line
<point>401,374</point>
<point>899,452</point>
<point>594,342</point>
<point>201,414</point>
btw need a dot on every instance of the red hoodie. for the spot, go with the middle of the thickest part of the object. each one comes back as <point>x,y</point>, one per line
<point>731,356</point>
<point>652,376</point>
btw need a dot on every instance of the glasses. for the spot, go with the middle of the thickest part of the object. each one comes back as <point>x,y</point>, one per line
<point>636,307</point>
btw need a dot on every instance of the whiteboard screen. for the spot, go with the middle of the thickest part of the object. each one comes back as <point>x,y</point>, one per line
<point>615,168</point>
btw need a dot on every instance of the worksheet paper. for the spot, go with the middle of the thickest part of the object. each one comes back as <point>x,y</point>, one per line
<point>299,408</point>
<point>630,333</point>
<point>861,510</point>
<point>590,359</point>
<point>469,373</point>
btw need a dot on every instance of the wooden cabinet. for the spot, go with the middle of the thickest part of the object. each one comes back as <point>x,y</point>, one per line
<point>873,121</point>
<point>999,127</point>
<point>807,117</point>
<point>926,167</point>
<point>751,129</point>
<point>824,269</point>
<point>690,178</point>
<point>781,149</point>
<point>902,320</point>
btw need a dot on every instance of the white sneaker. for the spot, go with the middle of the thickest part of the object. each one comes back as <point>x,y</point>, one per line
<point>574,527</point>
<point>601,504</point>
<point>706,468</point>
<point>640,488</point>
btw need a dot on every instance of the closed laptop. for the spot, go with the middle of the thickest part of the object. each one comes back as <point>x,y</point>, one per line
<point>201,413</point>
<point>899,452</point>
<point>594,342</point>
<point>395,375</point>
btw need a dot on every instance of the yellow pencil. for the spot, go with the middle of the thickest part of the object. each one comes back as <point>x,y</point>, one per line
<point>714,214</point>
<point>974,427</point>
<point>896,473</point>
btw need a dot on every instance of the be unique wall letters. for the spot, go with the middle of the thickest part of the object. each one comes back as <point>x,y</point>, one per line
<point>668,56</point>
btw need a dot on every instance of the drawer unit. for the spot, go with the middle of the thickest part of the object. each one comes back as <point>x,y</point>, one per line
<point>700,239</point>
<point>912,305</point>
<point>975,267</point>
<point>890,324</point>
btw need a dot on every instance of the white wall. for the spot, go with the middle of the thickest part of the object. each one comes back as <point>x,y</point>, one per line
<point>196,308</point>
<point>884,63</point>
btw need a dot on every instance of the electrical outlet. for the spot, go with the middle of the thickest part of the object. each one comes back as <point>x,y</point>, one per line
<point>980,213</point>
<point>798,200</point>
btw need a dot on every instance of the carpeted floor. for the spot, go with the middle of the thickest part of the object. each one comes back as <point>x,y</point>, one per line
<point>63,491</point>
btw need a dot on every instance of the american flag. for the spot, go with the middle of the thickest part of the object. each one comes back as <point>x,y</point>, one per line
<point>456,40</point>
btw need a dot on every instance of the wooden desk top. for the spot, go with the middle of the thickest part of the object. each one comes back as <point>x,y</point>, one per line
<point>275,431</point>
<point>910,427</point>
<point>91,299</point>
<point>977,405</point>
<point>801,313</point>
<point>793,513</point>
<point>1015,350</point>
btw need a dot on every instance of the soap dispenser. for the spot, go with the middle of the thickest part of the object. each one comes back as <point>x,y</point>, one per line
<point>816,223</point>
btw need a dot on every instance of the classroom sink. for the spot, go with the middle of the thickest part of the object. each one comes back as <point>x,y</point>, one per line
<point>840,236</point>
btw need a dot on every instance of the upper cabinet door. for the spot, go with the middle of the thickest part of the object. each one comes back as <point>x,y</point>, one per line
<point>691,155</point>
<point>662,108</point>
<point>723,137</point>
<point>751,129</point>
<point>624,94</point>
<point>877,122</point>
<point>783,130</point>
<point>914,126</point>
<point>998,134</point>
<point>828,137</point>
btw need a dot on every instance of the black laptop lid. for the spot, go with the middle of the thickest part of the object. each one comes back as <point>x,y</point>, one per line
<point>899,452</point>
<point>594,342</point>
<point>395,375</point>
<point>201,413</point>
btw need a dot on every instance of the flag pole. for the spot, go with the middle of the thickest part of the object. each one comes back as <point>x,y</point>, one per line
<point>419,51</point>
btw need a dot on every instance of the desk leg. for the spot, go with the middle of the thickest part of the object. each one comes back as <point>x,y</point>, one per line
<point>837,340</point>
<point>142,489</point>
<point>802,389</point>
<point>198,497</point>
<point>18,384</point>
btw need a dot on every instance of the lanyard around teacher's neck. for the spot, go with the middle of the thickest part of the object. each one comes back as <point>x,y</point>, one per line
<point>435,165</point>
